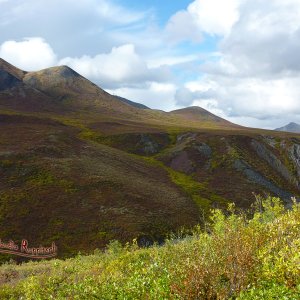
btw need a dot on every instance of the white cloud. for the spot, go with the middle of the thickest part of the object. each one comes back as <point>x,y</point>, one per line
<point>182,27</point>
<point>244,100</point>
<point>265,40</point>
<point>257,97</point>
<point>213,17</point>
<point>154,95</point>
<point>121,67</point>
<point>170,60</point>
<point>108,11</point>
<point>256,76</point>
<point>184,97</point>
<point>30,54</point>
<point>74,28</point>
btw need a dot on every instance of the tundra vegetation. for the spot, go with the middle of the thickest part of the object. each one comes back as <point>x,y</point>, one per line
<point>80,167</point>
<point>236,254</point>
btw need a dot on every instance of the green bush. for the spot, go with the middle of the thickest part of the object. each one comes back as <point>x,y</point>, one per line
<point>236,257</point>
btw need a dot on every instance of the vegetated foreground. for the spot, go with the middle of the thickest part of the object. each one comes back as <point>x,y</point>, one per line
<point>235,257</point>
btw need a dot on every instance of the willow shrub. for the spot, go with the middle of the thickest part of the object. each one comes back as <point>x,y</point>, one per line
<point>253,255</point>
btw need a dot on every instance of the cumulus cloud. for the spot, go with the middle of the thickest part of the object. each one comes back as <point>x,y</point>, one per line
<point>250,96</point>
<point>73,27</point>
<point>121,67</point>
<point>29,54</point>
<point>182,27</point>
<point>167,60</point>
<point>256,75</point>
<point>184,96</point>
<point>154,95</point>
<point>213,17</point>
<point>265,40</point>
<point>244,100</point>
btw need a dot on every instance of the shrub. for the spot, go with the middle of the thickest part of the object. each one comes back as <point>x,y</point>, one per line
<point>237,257</point>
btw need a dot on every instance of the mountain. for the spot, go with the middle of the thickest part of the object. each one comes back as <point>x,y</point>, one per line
<point>80,167</point>
<point>73,91</point>
<point>196,113</point>
<point>15,94</point>
<point>60,81</point>
<point>291,127</point>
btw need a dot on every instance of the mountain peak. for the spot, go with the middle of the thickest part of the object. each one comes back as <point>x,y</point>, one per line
<point>63,71</point>
<point>196,113</point>
<point>192,109</point>
<point>59,82</point>
<point>291,127</point>
<point>293,124</point>
<point>55,85</point>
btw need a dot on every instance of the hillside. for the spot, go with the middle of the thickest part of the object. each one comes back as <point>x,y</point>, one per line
<point>236,258</point>
<point>89,168</point>
<point>71,187</point>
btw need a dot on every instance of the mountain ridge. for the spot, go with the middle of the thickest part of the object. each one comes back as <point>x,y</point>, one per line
<point>71,92</point>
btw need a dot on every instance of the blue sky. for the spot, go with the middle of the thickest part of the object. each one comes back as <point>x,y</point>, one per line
<point>162,9</point>
<point>238,59</point>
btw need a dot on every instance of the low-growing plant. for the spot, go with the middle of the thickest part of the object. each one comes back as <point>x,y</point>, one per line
<point>236,257</point>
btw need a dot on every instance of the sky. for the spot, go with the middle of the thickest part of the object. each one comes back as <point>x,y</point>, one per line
<point>239,59</point>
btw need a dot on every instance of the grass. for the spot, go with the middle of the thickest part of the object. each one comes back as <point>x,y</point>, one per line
<point>234,258</point>
<point>187,183</point>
